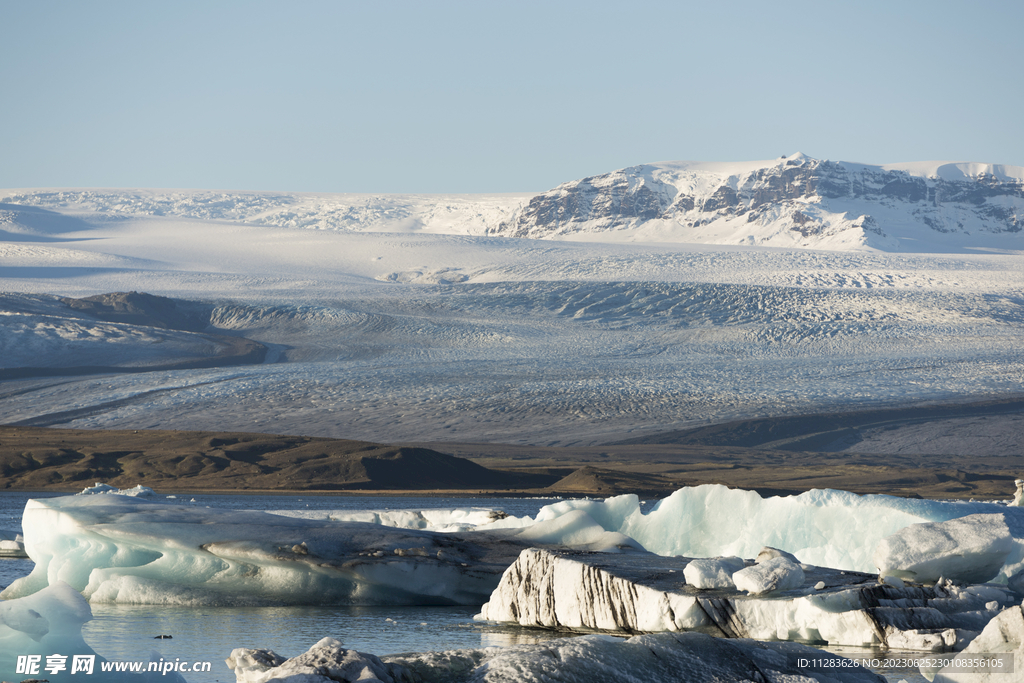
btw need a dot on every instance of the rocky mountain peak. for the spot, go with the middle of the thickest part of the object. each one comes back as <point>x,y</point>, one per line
<point>795,200</point>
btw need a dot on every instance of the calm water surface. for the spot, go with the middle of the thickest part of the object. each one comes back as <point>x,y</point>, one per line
<point>128,632</point>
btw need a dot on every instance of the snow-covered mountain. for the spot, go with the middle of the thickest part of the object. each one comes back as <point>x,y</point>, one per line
<point>793,201</point>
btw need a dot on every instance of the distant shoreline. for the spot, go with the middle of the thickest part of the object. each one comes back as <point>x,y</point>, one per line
<point>765,455</point>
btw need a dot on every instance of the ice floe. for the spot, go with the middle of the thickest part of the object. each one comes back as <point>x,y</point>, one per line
<point>660,658</point>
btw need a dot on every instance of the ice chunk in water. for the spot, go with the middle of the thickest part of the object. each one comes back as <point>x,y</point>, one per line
<point>660,658</point>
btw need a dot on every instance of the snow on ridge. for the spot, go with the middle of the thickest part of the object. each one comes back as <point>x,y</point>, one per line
<point>958,170</point>
<point>946,170</point>
<point>453,214</point>
<point>793,201</point>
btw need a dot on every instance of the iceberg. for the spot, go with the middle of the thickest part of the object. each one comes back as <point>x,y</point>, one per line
<point>443,520</point>
<point>12,544</point>
<point>124,549</point>
<point>578,591</point>
<point>823,527</point>
<point>101,488</point>
<point>49,624</point>
<point>1004,635</point>
<point>119,549</point>
<point>661,658</point>
<point>971,549</point>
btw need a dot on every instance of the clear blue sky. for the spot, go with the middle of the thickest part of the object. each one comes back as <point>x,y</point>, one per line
<point>491,96</point>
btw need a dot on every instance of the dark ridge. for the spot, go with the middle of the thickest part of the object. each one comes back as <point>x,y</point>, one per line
<point>149,310</point>
<point>68,459</point>
<point>817,432</point>
<point>139,308</point>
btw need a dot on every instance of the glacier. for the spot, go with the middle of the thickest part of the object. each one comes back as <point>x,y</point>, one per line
<point>378,330</point>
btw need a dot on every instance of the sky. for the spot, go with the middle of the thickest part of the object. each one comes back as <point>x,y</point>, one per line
<point>468,97</point>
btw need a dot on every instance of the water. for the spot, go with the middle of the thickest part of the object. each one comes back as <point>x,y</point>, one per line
<point>128,632</point>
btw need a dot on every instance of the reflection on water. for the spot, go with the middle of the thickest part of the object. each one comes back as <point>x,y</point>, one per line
<point>128,632</point>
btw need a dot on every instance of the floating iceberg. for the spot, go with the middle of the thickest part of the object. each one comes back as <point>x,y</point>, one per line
<point>124,550</point>
<point>823,527</point>
<point>443,520</point>
<point>138,491</point>
<point>661,658</point>
<point>49,623</point>
<point>1004,635</point>
<point>971,549</point>
<point>640,593</point>
<point>12,544</point>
